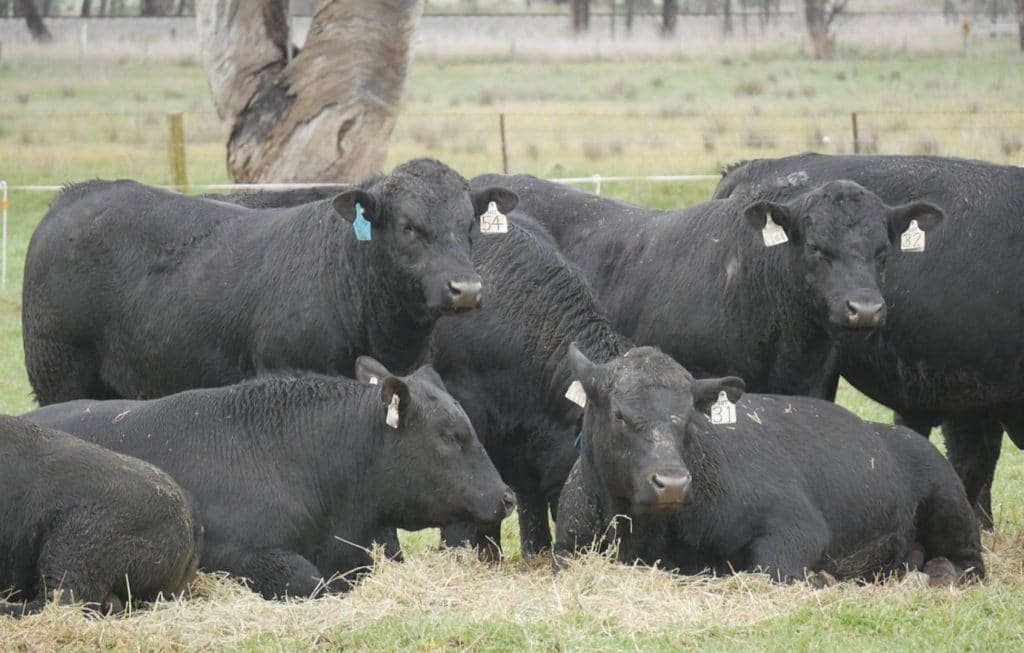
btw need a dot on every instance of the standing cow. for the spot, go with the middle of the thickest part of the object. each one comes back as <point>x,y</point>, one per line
<point>703,285</point>
<point>295,477</point>
<point>135,292</point>
<point>952,351</point>
<point>100,526</point>
<point>792,486</point>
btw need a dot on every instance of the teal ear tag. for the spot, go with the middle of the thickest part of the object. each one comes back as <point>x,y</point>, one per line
<point>361,225</point>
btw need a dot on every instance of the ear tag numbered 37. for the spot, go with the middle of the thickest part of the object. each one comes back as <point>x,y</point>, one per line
<point>576,394</point>
<point>723,411</point>
<point>362,226</point>
<point>392,417</point>
<point>772,233</point>
<point>493,221</point>
<point>912,240</point>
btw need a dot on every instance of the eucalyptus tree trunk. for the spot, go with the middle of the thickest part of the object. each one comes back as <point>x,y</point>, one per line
<point>818,18</point>
<point>34,22</point>
<point>327,115</point>
<point>1020,23</point>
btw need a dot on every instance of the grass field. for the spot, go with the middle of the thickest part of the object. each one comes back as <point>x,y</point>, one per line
<point>61,122</point>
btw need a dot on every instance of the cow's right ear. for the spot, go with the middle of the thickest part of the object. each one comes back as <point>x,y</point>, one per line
<point>370,370</point>
<point>590,375</point>
<point>757,215</point>
<point>705,391</point>
<point>345,205</point>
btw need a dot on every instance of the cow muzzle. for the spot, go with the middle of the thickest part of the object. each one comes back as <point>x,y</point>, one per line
<point>864,313</point>
<point>465,294</point>
<point>671,488</point>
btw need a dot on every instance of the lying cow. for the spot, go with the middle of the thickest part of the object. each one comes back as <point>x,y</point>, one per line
<point>99,526</point>
<point>954,349</point>
<point>752,289</point>
<point>295,477</point>
<point>135,292</point>
<point>793,487</point>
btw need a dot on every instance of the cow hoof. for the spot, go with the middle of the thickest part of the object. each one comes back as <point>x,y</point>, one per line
<point>915,558</point>
<point>915,578</point>
<point>941,573</point>
<point>820,580</point>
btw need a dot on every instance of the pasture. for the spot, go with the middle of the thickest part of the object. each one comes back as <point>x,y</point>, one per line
<point>62,121</point>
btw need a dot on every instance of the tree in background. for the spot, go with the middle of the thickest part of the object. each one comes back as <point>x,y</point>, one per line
<point>579,11</point>
<point>669,17</point>
<point>819,15</point>
<point>1020,23</point>
<point>33,19</point>
<point>327,115</point>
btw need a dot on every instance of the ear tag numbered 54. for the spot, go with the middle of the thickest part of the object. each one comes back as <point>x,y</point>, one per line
<point>392,417</point>
<point>576,394</point>
<point>723,411</point>
<point>493,221</point>
<point>912,240</point>
<point>772,233</point>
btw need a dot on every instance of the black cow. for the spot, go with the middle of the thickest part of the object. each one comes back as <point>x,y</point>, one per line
<point>100,526</point>
<point>506,364</point>
<point>135,292</point>
<point>295,477</point>
<point>795,486</point>
<point>952,351</point>
<point>702,285</point>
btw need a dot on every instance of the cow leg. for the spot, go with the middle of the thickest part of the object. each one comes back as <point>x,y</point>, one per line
<point>947,529</point>
<point>486,539</point>
<point>973,440</point>
<point>786,552</point>
<point>923,423</point>
<point>59,372</point>
<point>274,573</point>
<point>534,531</point>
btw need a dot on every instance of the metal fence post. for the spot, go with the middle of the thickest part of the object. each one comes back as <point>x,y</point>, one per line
<point>176,151</point>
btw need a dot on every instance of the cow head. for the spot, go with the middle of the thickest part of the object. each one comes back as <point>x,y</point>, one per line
<point>640,412</point>
<point>431,469</point>
<point>839,236</point>
<point>422,217</point>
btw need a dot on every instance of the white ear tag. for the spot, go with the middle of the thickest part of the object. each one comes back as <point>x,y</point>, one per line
<point>392,418</point>
<point>576,394</point>
<point>374,380</point>
<point>772,233</point>
<point>493,221</point>
<point>723,411</point>
<point>912,240</point>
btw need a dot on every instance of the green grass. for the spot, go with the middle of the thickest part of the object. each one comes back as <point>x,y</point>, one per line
<point>61,123</point>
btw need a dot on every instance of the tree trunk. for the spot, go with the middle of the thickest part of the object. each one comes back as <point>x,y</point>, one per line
<point>669,17</point>
<point>157,7</point>
<point>1020,23</point>
<point>329,115</point>
<point>86,8</point>
<point>34,21</point>
<point>580,10</point>
<point>727,16</point>
<point>822,45</point>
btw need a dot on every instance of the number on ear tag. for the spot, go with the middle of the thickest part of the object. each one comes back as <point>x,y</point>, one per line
<point>912,240</point>
<point>723,411</point>
<point>392,418</point>
<point>576,394</point>
<point>493,221</point>
<point>772,233</point>
<point>362,226</point>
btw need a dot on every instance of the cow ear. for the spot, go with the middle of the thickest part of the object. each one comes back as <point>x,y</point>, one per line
<point>757,214</point>
<point>706,391</point>
<point>345,205</point>
<point>431,375</point>
<point>590,375</point>
<point>928,216</point>
<point>505,199</point>
<point>370,370</point>
<point>391,387</point>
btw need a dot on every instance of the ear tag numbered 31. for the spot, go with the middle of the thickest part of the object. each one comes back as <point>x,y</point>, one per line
<point>723,411</point>
<point>493,221</point>
<point>912,240</point>
<point>392,417</point>
<point>576,394</point>
<point>772,233</point>
<point>362,226</point>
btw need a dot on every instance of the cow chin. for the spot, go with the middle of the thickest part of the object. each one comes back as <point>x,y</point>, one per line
<point>654,507</point>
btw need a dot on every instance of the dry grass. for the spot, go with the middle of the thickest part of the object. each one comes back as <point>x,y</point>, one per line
<point>439,586</point>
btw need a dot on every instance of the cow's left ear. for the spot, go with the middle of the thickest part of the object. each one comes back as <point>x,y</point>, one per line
<point>590,375</point>
<point>370,370</point>
<point>928,216</point>
<point>706,391</point>
<point>345,205</point>
<point>757,214</point>
<point>505,199</point>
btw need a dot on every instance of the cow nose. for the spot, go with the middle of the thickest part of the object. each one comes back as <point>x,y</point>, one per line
<point>508,502</point>
<point>465,294</point>
<point>864,313</point>
<point>671,486</point>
